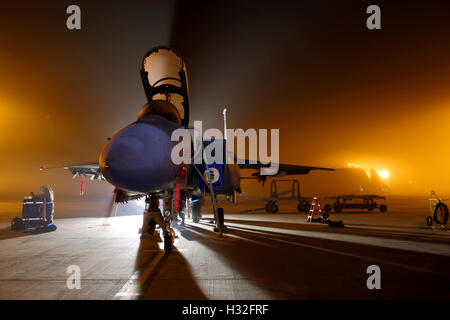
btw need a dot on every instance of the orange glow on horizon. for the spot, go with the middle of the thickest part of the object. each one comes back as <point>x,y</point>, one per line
<point>384,174</point>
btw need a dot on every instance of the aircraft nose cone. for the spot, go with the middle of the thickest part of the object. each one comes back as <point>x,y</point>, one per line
<point>138,158</point>
<point>126,150</point>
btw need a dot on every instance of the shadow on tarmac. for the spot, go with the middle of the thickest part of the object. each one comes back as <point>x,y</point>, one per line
<point>292,267</point>
<point>7,233</point>
<point>164,276</point>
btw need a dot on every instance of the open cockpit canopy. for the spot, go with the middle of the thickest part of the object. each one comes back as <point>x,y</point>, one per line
<point>164,78</point>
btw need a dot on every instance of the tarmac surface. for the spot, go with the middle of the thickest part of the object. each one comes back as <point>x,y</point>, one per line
<point>262,256</point>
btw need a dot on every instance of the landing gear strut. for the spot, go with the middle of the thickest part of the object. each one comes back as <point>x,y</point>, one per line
<point>196,210</point>
<point>221,221</point>
<point>169,237</point>
<point>153,216</point>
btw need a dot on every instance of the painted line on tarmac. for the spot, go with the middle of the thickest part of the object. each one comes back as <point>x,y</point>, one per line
<point>415,246</point>
<point>415,234</point>
<point>148,280</point>
<point>262,234</point>
<point>206,227</point>
<point>400,265</point>
<point>133,288</point>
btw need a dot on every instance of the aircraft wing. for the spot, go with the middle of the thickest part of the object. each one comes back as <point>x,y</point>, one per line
<point>283,169</point>
<point>88,169</point>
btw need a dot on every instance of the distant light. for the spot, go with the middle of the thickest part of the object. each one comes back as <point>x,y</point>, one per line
<point>384,174</point>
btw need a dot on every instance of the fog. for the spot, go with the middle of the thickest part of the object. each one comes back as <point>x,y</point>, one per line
<point>338,93</point>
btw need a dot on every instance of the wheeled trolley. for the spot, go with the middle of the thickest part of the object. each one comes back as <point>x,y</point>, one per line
<point>364,202</point>
<point>438,211</point>
<point>292,194</point>
<point>37,212</point>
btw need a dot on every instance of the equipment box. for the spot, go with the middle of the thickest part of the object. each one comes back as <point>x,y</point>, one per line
<point>37,212</point>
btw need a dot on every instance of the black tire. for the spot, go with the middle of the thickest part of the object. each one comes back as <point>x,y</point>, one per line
<point>327,208</point>
<point>307,207</point>
<point>441,214</point>
<point>274,208</point>
<point>326,215</point>
<point>429,221</point>
<point>383,208</point>
<point>17,224</point>
<point>271,207</point>
<point>167,242</point>
<point>196,211</point>
<point>50,228</point>
<point>303,206</point>
<point>338,208</point>
<point>335,224</point>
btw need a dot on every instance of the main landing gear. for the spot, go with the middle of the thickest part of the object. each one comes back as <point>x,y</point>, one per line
<point>169,237</point>
<point>196,210</point>
<point>221,222</point>
<point>152,217</point>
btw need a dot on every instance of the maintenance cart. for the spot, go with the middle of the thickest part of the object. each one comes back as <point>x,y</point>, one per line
<point>438,211</point>
<point>365,202</point>
<point>37,212</point>
<point>293,193</point>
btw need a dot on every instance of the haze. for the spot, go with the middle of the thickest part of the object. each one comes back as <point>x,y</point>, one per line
<point>338,92</point>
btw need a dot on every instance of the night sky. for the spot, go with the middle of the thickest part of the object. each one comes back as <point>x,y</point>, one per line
<point>338,92</point>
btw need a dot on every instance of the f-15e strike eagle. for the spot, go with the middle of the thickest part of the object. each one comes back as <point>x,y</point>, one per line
<point>137,160</point>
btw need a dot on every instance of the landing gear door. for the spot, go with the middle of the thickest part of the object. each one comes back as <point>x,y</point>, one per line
<point>164,77</point>
<point>216,170</point>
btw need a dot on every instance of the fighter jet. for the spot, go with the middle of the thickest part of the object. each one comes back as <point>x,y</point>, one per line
<point>137,160</point>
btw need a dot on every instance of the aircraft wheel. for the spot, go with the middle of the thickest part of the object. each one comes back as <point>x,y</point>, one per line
<point>168,242</point>
<point>383,208</point>
<point>327,208</point>
<point>429,221</point>
<point>196,212</point>
<point>268,207</point>
<point>274,208</point>
<point>441,214</point>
